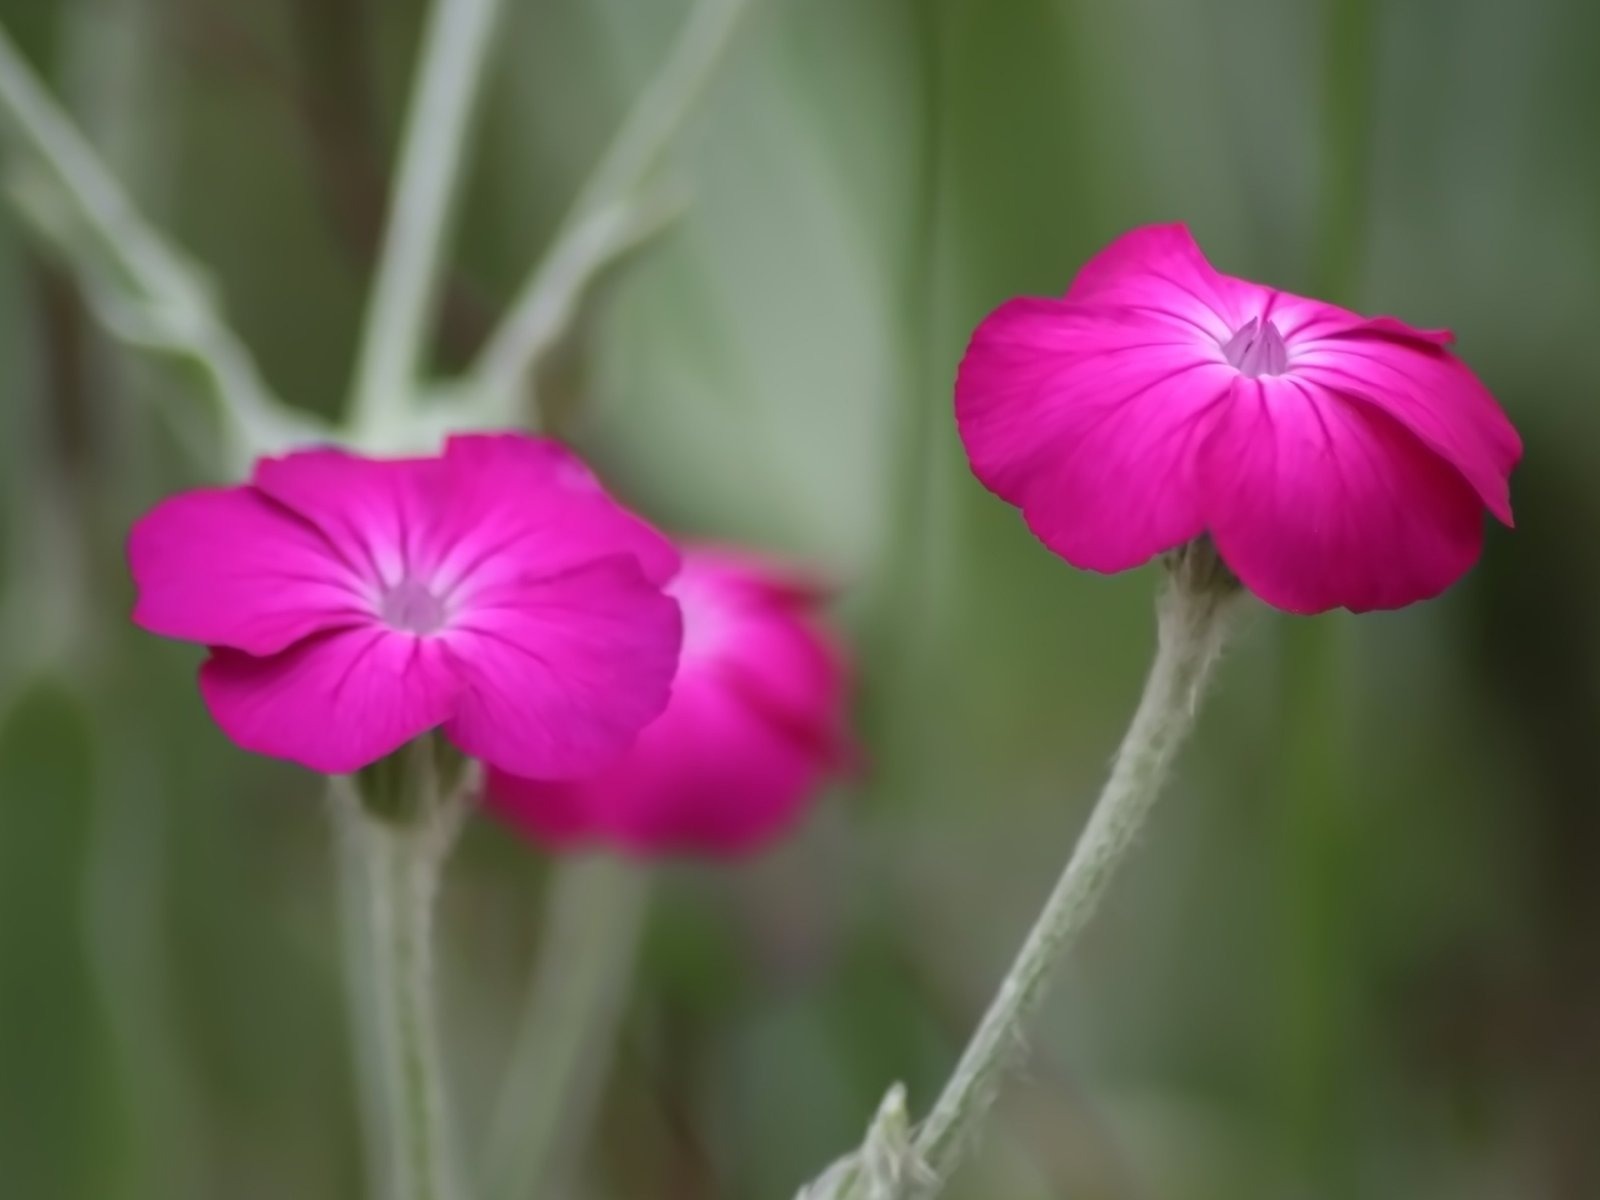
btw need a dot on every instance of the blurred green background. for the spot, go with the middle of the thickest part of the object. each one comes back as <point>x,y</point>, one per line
<point>1358,954</point>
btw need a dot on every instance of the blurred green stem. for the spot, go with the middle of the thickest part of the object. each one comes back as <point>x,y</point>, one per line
<point>1314,772</point>
<point>113,77</point>
<point>394,841</point>
<point>394,341</point>
<point>1315,798</point>
<point>1348,85</point>
<point>617,209</point>
<point>910,576</point>
<point>142,289</point>
<point>1194,614</point>
<point>563,1046</point>
<point>1192,624</point>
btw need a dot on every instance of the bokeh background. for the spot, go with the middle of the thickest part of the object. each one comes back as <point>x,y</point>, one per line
<point>1358,954</point>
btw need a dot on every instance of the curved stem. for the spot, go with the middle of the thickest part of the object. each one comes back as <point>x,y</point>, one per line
<point>455,47</point>
<point>392,878</point>
<point>614,211</point>
<point>1192,624</point>
<point>563,1045</point>
<point>142,288</point>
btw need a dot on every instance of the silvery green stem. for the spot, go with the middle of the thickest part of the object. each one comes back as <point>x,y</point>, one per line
<point>402,873</point>
<point>615,211</point>
<point>114,77</point>
<point>562,1049</point>
<point>886,1165</point>
<point>1193,616</point>
<point>1192,622</point>
<point>141,287</point>
<point>454,49</point>
<point>392,856</point>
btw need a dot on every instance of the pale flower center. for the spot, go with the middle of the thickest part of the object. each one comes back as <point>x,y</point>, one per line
<point>411,606</point>
<point>1257,349</point>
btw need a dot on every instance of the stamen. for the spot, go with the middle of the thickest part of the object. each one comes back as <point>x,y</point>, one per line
<point>1257,349</point>
<point>412,607</point>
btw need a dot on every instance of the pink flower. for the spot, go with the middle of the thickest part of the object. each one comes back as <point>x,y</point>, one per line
<point>1334,459</point>
<point>352,604</point>
<point>755,724</point>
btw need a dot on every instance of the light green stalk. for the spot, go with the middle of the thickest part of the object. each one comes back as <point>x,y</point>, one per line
<point>1193,617</point>
<point>396,334</point>
<point>618,208</point>
<point>563,1048</point>
<point>394,841</point>
<point>142,288</point>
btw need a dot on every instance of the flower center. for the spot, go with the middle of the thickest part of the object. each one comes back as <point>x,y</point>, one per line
<point>410,606</point>
<point>1257,349</point>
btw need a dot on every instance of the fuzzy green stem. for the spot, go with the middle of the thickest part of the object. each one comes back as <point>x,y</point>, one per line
<point>392,874</point>
<point>394,341</point>
<point>562,1048</point>
<point>616,210</point>
<point>1194,614</point>
<point>1192,623</point>
<point>142,288</point>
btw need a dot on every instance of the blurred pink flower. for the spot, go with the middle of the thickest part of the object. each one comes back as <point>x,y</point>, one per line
<point>352,604</point>
<point>755,725</point>
<point>1335,460</point>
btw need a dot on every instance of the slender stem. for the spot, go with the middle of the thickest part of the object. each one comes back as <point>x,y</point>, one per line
<point>665,104</point>
<point>114,77</point>
<point>360,985</point>
<point>392,874</point>
<point>455,47</point>
<point>404,871</point>
<point>1318,956</point>
<point>1349,40</point>
<point>904,614</point>
<point>562,1048</point>
<point>142,288</point>
<point>1192,624</point>
<point>547,306</point>
<point>613,212</point>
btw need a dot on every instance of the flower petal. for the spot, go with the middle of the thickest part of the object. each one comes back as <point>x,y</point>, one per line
<point>228,567</point>
<point>528,504</point>
<point>333,703</point>
<point>1393,327</point>
<point>379,514</point>
<point>1427,390</point>
<point>1318,502</point>
<point>789,672</point>
<point>755,579</point>
<point>755,723</point>
<point>562,672</point>
<point>1091,423</point>
<point>749,629</point>
<point>1161,271</point>
<point>710,776</point>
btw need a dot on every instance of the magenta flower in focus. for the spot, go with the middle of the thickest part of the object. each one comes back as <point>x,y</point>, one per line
<point>755,725</point>
<point>1334,459</point>
<point>352,604</point>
